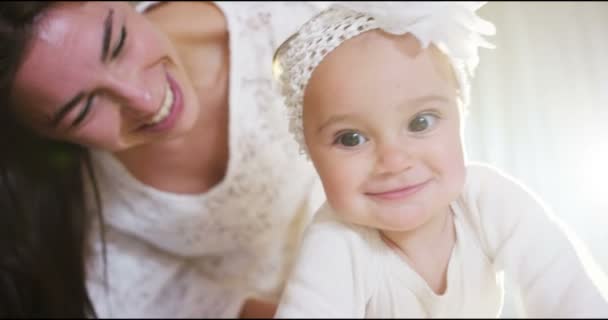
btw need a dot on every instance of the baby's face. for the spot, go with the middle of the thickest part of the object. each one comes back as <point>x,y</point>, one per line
<point>382,125</point>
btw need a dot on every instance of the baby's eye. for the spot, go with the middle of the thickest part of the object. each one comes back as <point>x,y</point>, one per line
<point>351,139</point>
<point>422,122</point>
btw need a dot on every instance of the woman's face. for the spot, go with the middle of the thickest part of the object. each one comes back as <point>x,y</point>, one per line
<point>99,74</point>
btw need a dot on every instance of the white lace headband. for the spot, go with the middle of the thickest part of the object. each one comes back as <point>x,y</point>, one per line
<point>453,27</point>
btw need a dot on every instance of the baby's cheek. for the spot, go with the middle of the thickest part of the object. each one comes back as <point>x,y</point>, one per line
<point>341,191</point>
<point>336,187</point>
<point>455,176</point>
<point>341,177</point>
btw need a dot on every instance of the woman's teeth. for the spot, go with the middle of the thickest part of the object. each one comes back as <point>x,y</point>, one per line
<point>165,108</point>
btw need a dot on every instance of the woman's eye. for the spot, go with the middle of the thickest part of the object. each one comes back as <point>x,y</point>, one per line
<point>351,139</point>
<point>85,110</point>
<point>422,122</point>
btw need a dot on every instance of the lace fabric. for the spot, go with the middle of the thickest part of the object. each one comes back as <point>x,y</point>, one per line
<point>452,26</point>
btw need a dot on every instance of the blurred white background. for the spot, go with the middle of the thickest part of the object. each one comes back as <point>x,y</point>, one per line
<point>539,111</point>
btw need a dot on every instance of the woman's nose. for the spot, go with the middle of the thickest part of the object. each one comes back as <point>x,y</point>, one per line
<point>136,98</point>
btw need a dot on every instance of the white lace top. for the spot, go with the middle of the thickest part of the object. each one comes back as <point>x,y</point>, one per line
<point>176,255</point>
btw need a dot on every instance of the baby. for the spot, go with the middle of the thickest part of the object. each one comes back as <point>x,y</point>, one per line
<point>375,93</point>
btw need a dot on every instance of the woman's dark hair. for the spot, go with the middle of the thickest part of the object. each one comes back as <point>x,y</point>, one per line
<point>44,221</point>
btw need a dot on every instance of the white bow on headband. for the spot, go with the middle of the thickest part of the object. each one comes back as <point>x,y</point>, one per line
<point>453,27</point>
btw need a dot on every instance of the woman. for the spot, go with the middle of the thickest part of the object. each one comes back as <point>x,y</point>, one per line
<point>163,125</point>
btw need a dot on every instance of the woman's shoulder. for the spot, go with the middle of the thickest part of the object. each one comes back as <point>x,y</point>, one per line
<point>273,21</point>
